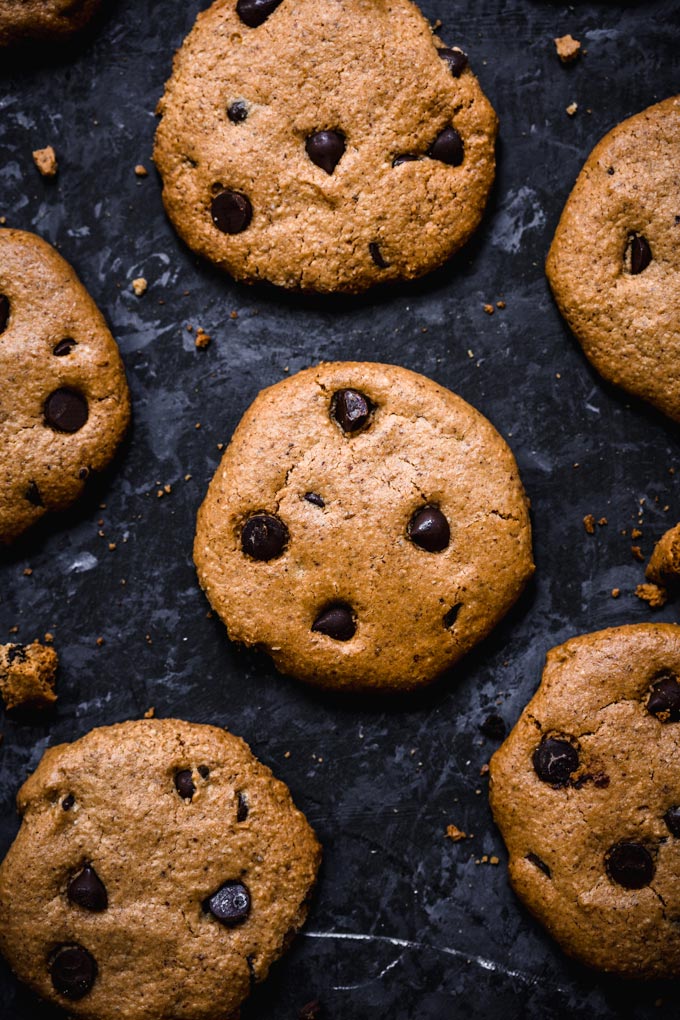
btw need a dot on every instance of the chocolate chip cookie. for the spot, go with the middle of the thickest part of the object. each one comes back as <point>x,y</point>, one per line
<point>42,20</point>
<point>159,871</point>
<point>586,792</point>
<point>323,145</point>
<point>366,527</point>
<point>64,402</point>
<point>614,264</point>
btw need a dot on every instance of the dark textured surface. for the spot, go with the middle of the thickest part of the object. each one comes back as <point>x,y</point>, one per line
<point>405,923</point>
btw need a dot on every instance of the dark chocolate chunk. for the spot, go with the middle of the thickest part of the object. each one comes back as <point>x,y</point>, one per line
<point>203,771</point>
<point>241,807</point>
<point>4,312</point>
<point>672,820</point>
<point>457,60</point>
<point>640,254</point>
<point>184,784</point>
<point>429,529</point>
<point>64,347</point>
<point>554,760</point>
<point>336,621</point>
<point>630,865</point>
<point>83,473</point>
<point>66,410</point>
<point>312,497</point>
<point>351,410</point>
<point>664,699</point>
<point>541,865</point>
<point>448,147</point>
<point>230,904</point>
<point>264,537</point>
<point>254,13</point>
<point>326,149</point>
<point>32,494</point>
<point>73,971</point>
<point>88,891</point>
<point>405,157</point>
<point>68,802</point>
<point>493,727</point>
<point>377,255</point>
<point>237,111</point>
<point>231,211</point>
<point>451,615</point>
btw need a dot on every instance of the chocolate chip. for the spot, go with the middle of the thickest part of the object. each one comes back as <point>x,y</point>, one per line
<point>640,254</point>
<point>184,784</point>
<point>68,802</point>
<point>237,111</point>
<point>241,807</point>
<point>88,891</point>
<point>32,494</point>
<point>630,865</point>
<point>451,615</point>
<point>254,13</point>
<point>405,157</point>
<point>493,727</point>
<point>231,211</point>
<point>230,904</point>
<point>203,771</point>
<point>4,312</point>
<point>554,760</point>
<point>377,256</point>
<point>264,537</point>
<point>83,473</point>
<point>429,529</point>
<point>457,60</point>
<point>336,621</point>
<point>672,820</point>
<point>66,410</point>
<point>351,410</point>
<point>64,347</point>
<point>541,865</point>
<point>326,149</point>
<point>73,971</point>
<point>448,147</point>
<point>664,699</point>
<point>312,497</point>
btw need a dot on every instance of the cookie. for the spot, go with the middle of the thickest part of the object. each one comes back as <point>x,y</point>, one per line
<point>43,20</point>
<point>366,527</point>
<point>614,263</point>
<point>323,145</point>
<point>586,793</point>
<point>64,405</point>
<point>663,568</point>
<point>28,675</point>
<point>159,871</point>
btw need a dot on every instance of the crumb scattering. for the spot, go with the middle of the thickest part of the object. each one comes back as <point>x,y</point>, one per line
<point>140,286</point>
<point>568,48</point>
<point>46,161</point>
<point>454,833</point>
<point>28,675</point>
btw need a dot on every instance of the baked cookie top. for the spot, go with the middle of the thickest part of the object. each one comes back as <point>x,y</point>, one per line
<point>323,144</point>
<point>43,19</point>
<point>366,526</point>
<point>64,402</point>
<point>586,793</point>
<point>614,263</point>
<point>159,870</point>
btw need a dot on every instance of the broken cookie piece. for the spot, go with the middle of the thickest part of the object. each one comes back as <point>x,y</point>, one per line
<point>568,48</point>
<point>663,568</point>
<point>46,161</point>
<point>654,595</point>
<point>27,675</point>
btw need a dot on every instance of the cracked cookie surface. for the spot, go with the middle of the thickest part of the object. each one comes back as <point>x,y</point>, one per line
<point>64,402</point>
<point>366,526</point>
<point>159,871</point>
<point>614,263</point>
<point>43,19</point>
<point>586,793</point>
<point>323,144</point>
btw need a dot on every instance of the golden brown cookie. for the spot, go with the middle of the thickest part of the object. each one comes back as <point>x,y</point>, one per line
<point>586,793</point>
<point>27,675</point>
<point>64,402</point>
<point>614,263</point>
<point>366,527</point>
<point>159,871</point>
<point>323,144</point>
<point>42,20</point>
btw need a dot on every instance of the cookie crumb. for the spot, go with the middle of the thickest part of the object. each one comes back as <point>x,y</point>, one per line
<point>589,524</point>
<point>46,161</point>
<point>637,553</point>
<point>494,860</point>
<point>653,594</point>
<point>233,315</point>
<point>454,833</point>
<point>616,592</point>
<point>140,286</point>
<point>602,521</point>
<point>202,339</point>
<point>636,533</point>
<point>150,713</point>
<point>501,305</point>
<point>141,170</point>
<point>488,309</point>
<point>484,769</point>
<point>100,642</point>
<point>27,675</point>
<point>49,638</point>
<point>28,571</point>
<point>571,109</point>
<point>568,48</point>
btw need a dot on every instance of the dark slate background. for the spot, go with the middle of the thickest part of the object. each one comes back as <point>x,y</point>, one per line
<point>405,924</point>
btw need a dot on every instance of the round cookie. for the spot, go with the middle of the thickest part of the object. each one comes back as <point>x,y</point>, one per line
<point>323,145</point>
<point>43,20</point>
<point>64,404</point>
<point>586,793</point>
<point>366,527</point>
<point>614,263</point>
<point>159,871</point>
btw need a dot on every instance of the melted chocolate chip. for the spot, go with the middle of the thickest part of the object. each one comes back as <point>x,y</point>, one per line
<point>326,149</point>
<point>336,621</point>
<point>32,494</point>
<point>672,820</point>
<point>312,497</point>
<point>230,904</point>
<point>630,865</point>
<point>264,537</point>
<point>451,615</point>
<point>73,971</point>
<point>241,807</point>
<point>4,312</point>
<point>351,410</point>
<point>88,891</point>
<point>664,699</point>
<point>493,727</point>
<point>64,347</point>
<point>254,13</point>
<point>184,784</point>
<point>231,211</point>
<point>237,111</point>
<point>203,771</point>
<point>405,157</point>
<point>429,529</point>
<point>554,761</point>
<point>377,256</point>
<point>68,802</point>
<point>457,60</point>
<point>66,410</point>
<point>448,147</point>
<point>541,865</point>
<point>640,254</point>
